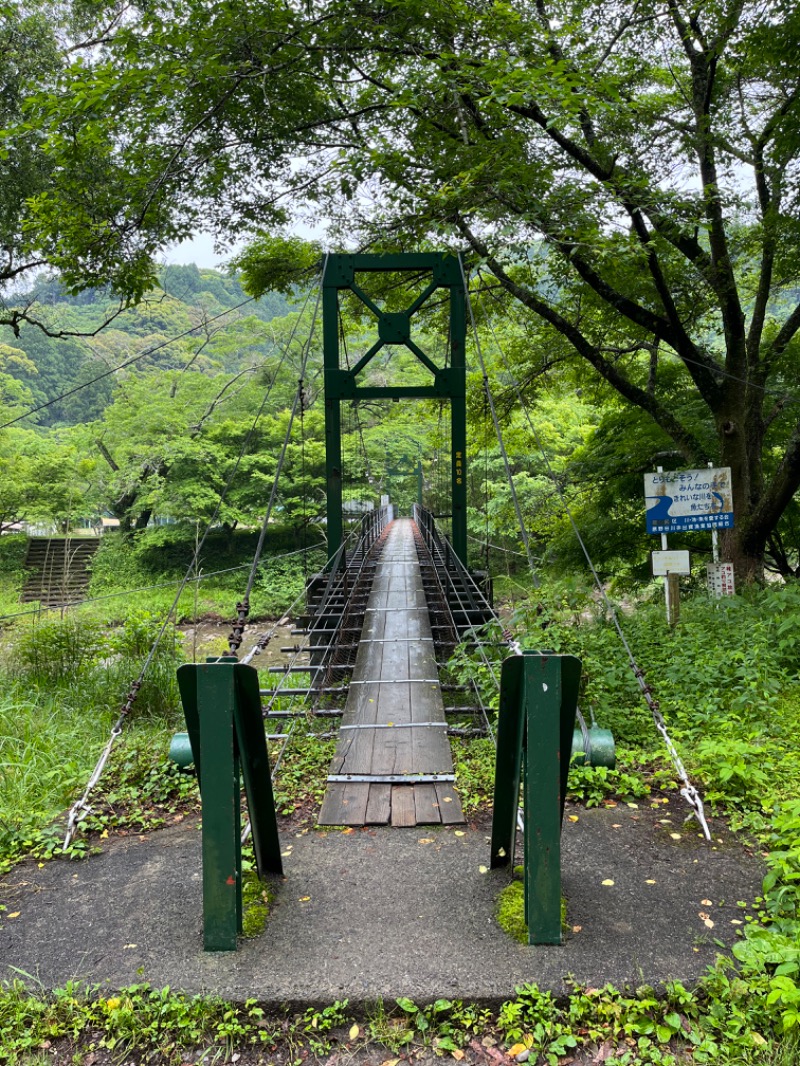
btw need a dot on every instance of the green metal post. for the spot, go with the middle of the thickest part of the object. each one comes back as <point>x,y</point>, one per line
<point>538,698</point>
<point>222,859</point>
<point>222,706</point>
<point>333,415</point>
<point>458,418</point>
<point>541,699</point>
<point>419,482</point>
<point>508,761</point>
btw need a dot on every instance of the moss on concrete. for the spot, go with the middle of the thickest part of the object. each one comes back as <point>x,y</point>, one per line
<point>511,909</point>
<point>256,900</point>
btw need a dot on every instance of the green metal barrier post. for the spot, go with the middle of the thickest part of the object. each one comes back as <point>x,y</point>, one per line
<point>538,699</point>
<point>222,706</point>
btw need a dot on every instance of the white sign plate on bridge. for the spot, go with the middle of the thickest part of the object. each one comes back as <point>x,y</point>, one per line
<point>670,562</point>
<point>680,500</point>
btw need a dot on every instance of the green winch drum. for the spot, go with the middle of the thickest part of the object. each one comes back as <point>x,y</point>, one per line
<point>180,751</point>
<point>601,748</point>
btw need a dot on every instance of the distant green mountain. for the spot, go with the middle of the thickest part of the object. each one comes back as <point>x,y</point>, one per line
<point>95,337</point>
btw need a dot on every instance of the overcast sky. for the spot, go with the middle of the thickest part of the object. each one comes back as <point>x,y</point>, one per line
<point>200,249</point>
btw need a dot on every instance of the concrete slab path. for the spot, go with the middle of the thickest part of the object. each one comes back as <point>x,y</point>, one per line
<point>384,913</point>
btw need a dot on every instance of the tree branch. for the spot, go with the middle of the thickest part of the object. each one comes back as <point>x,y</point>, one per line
<point>690,447</point>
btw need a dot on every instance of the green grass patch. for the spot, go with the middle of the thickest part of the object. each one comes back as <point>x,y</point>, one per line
<point>64,681</point>
<point>722,1021</point>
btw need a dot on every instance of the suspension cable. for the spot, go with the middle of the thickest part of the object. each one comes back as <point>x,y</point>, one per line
<point>243,606</point>
<point>688,791</point>
<point>488,393</point>
<point>81,808</point>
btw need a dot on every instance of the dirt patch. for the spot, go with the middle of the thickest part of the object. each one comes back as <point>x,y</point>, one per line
<point>210,637</point>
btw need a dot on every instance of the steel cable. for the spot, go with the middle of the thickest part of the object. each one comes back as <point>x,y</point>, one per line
<point>80,808</point>
<point>688,791</point>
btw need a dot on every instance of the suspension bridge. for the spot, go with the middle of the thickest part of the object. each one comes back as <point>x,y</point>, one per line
<point>373,636</point>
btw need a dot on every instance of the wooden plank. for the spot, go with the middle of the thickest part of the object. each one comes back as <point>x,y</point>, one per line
<point>379,805</point>
<point>404,811</point>
<point>427,805</point>
<point>345,803</point>
<point>449,805</point>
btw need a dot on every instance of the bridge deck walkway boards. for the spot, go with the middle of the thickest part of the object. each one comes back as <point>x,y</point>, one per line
<point>395,687</point>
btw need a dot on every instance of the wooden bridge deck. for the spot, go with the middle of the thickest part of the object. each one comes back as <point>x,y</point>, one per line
<point>394,725</point>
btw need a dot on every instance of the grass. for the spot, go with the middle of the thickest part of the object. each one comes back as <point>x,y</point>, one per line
<point>716,1023</point>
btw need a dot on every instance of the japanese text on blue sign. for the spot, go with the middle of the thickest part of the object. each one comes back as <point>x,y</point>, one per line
<point>688,499</point>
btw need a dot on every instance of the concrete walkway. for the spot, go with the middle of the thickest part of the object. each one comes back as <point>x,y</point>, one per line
<point>375,913</point>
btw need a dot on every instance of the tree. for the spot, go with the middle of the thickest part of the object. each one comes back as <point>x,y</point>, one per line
<point>625,172</point>
<point>38,42</point>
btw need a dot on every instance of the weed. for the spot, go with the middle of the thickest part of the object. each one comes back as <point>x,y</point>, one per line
<point>593,784</point>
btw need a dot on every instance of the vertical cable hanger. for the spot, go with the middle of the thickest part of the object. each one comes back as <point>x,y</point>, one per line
<point>688,790</point>
<point>498,432</point>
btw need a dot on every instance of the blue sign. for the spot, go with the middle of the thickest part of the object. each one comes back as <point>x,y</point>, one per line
<point>687,500</point>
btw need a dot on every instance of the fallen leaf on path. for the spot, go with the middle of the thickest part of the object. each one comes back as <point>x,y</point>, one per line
<point>128,947</point>
<point>425,840</point>
<point>354,1031</point>
<point>608,881</point>
<point>448,799</point>
<point>458,1054</point>
<point>459,833</point>
<point>616,825</point>
<point>603,1053</point>
<point>706,903</point>
<point>675,836</point>
<point>483,869</point>
<point>650,882</point>
<point>573,817</point>
<point>305,899</point>
<point>577,928</point>
<point>390,1062</point>
<point>735,921</point>
<point>16,914</point>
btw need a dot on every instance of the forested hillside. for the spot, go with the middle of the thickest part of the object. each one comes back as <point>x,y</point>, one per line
<point>90,334</point>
